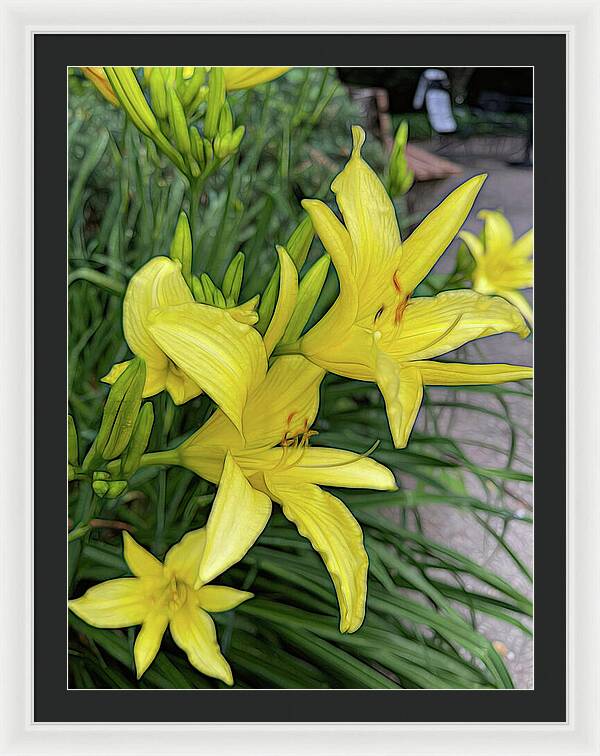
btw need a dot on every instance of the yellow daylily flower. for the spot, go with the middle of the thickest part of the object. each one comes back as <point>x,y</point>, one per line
<point>160,596</point>
<point>375,330</point>
<point>245,77</point>
<point>502,265</point>
<point>273,462</point>
<point>100,80</point>
<point>190,347</point>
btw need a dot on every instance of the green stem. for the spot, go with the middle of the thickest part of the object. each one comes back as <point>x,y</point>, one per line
<point>293,348</point>
<point>196,188</point>
<point>169,457</point>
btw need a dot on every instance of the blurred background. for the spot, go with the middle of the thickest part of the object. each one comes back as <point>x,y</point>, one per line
<point>465,478</point>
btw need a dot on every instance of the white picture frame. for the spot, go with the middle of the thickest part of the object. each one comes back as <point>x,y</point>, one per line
<point>580,21</point>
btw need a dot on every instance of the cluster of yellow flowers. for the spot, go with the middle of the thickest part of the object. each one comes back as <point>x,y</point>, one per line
<point>255,447</point>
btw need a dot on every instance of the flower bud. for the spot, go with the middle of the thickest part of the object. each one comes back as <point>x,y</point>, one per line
<point>178,123</point>
<point>73,450</point>
<point>100,488</point>
<point>400,176</point>
<point>216,100</point>
<point>232,280</point>
<point>309,291</point>
<point>181,247</point>
<point>121,410</point>
<point>297,248</point>
<point>130,461</point>
<point>158,93</point>
<point>225,120</point>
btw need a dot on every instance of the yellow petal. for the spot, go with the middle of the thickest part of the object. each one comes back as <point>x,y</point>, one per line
<point>286,300</point>
<point>114,603</point>
<point>369,217</point>
<point>155,379</point>
<point>334,533</point>
<point>226,359</point>
<point>99,79</point>
<point>238,516</point>
<point>220,598</point>
<point>497,232</point>
<point>335,467</point>
<point>432,236</point>
<point>141,562</point>
<point>459,374</point>
<point>158,283</point>
<point>183,560</point>
<point>244,77</point>
<point>148,641</point>
<point>520,302</point>
<point>474,244</point>
<point>180,387</point>
<point>245,312</point>
<point>402,389</point>
<point>432,326</point>
<point>523,247</point>
<point>194,632</point>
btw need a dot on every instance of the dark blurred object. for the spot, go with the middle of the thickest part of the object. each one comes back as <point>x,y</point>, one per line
<point>488,90</point>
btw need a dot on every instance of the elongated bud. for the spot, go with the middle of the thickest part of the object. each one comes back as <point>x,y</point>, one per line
<point>115,489</point>
<point>131,97</point>
<point>232,280</point>
<point>192,84</point>
<point>208,151</point>
<point>221,145</point>
<point>130,461</point>
<point>121,410</point>
<point>297,248</point>
<point>400,176</point>
<point>73,450</point>
<point>209,288</point>
<point>178,123</point>
<point>181,247</point>
<point>198,290</point>
<point>197,147</point>
<point>225,119</point>
<point>236,138</point>
<point>216,99</point>
<point>100,488</point>
<point>158,93</point>
<point>309,291</point>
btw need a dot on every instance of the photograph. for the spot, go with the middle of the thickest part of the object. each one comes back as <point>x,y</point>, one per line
<point>300,378</point>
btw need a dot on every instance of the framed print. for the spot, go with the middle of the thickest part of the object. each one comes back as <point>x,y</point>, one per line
<point>323,397</point>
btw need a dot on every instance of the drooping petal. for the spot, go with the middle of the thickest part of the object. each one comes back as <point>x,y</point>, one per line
<point>224,357</point>
<point>238,516</point>
<point>148,640</point>
<point>180,387</point>
<point>286,300</point>
<point>194,632</point>
<point>369,217</point>
<point>334,467</point>
<point>436,373</point>
<point>114,603</point>
<point>432,236</point>
<point>520,302</point>
<point>402,390</point>
<point>334,533</point>
<point>183,559</point>
<point>158,283</point>
<point>141,562</point>
<point>432,326</point>
<point>497,231</point>
<point>244,77</point>
<point>221,598</point>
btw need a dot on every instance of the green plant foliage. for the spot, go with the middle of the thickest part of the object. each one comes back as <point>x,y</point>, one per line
<point>425,599</point>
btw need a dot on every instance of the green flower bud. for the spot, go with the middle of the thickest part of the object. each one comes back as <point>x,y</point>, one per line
<point>309,291</point>
<point>197,147</point>
<point>198,290</point>
<point>400,176</point>
<point>181,247</point>
<point>100,488</point>
<point>232,280</point>
<point>297,248</point>
<point>225,120</point>
<point>73,450</point>
<point>158,93</point>
<point>236,138</point>
<point>209,288</point>
<point>178,123</point>
<point>121,410</point>
<point>100,475</point>
<point>216,100</point>
<point>115,489</point>
<point>130,461</point>
<point>131,97</point>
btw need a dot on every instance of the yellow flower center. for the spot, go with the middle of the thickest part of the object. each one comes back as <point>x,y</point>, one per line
<point>174,595</point>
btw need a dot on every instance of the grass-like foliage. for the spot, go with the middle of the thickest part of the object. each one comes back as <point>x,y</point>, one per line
<point>425,599</point>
